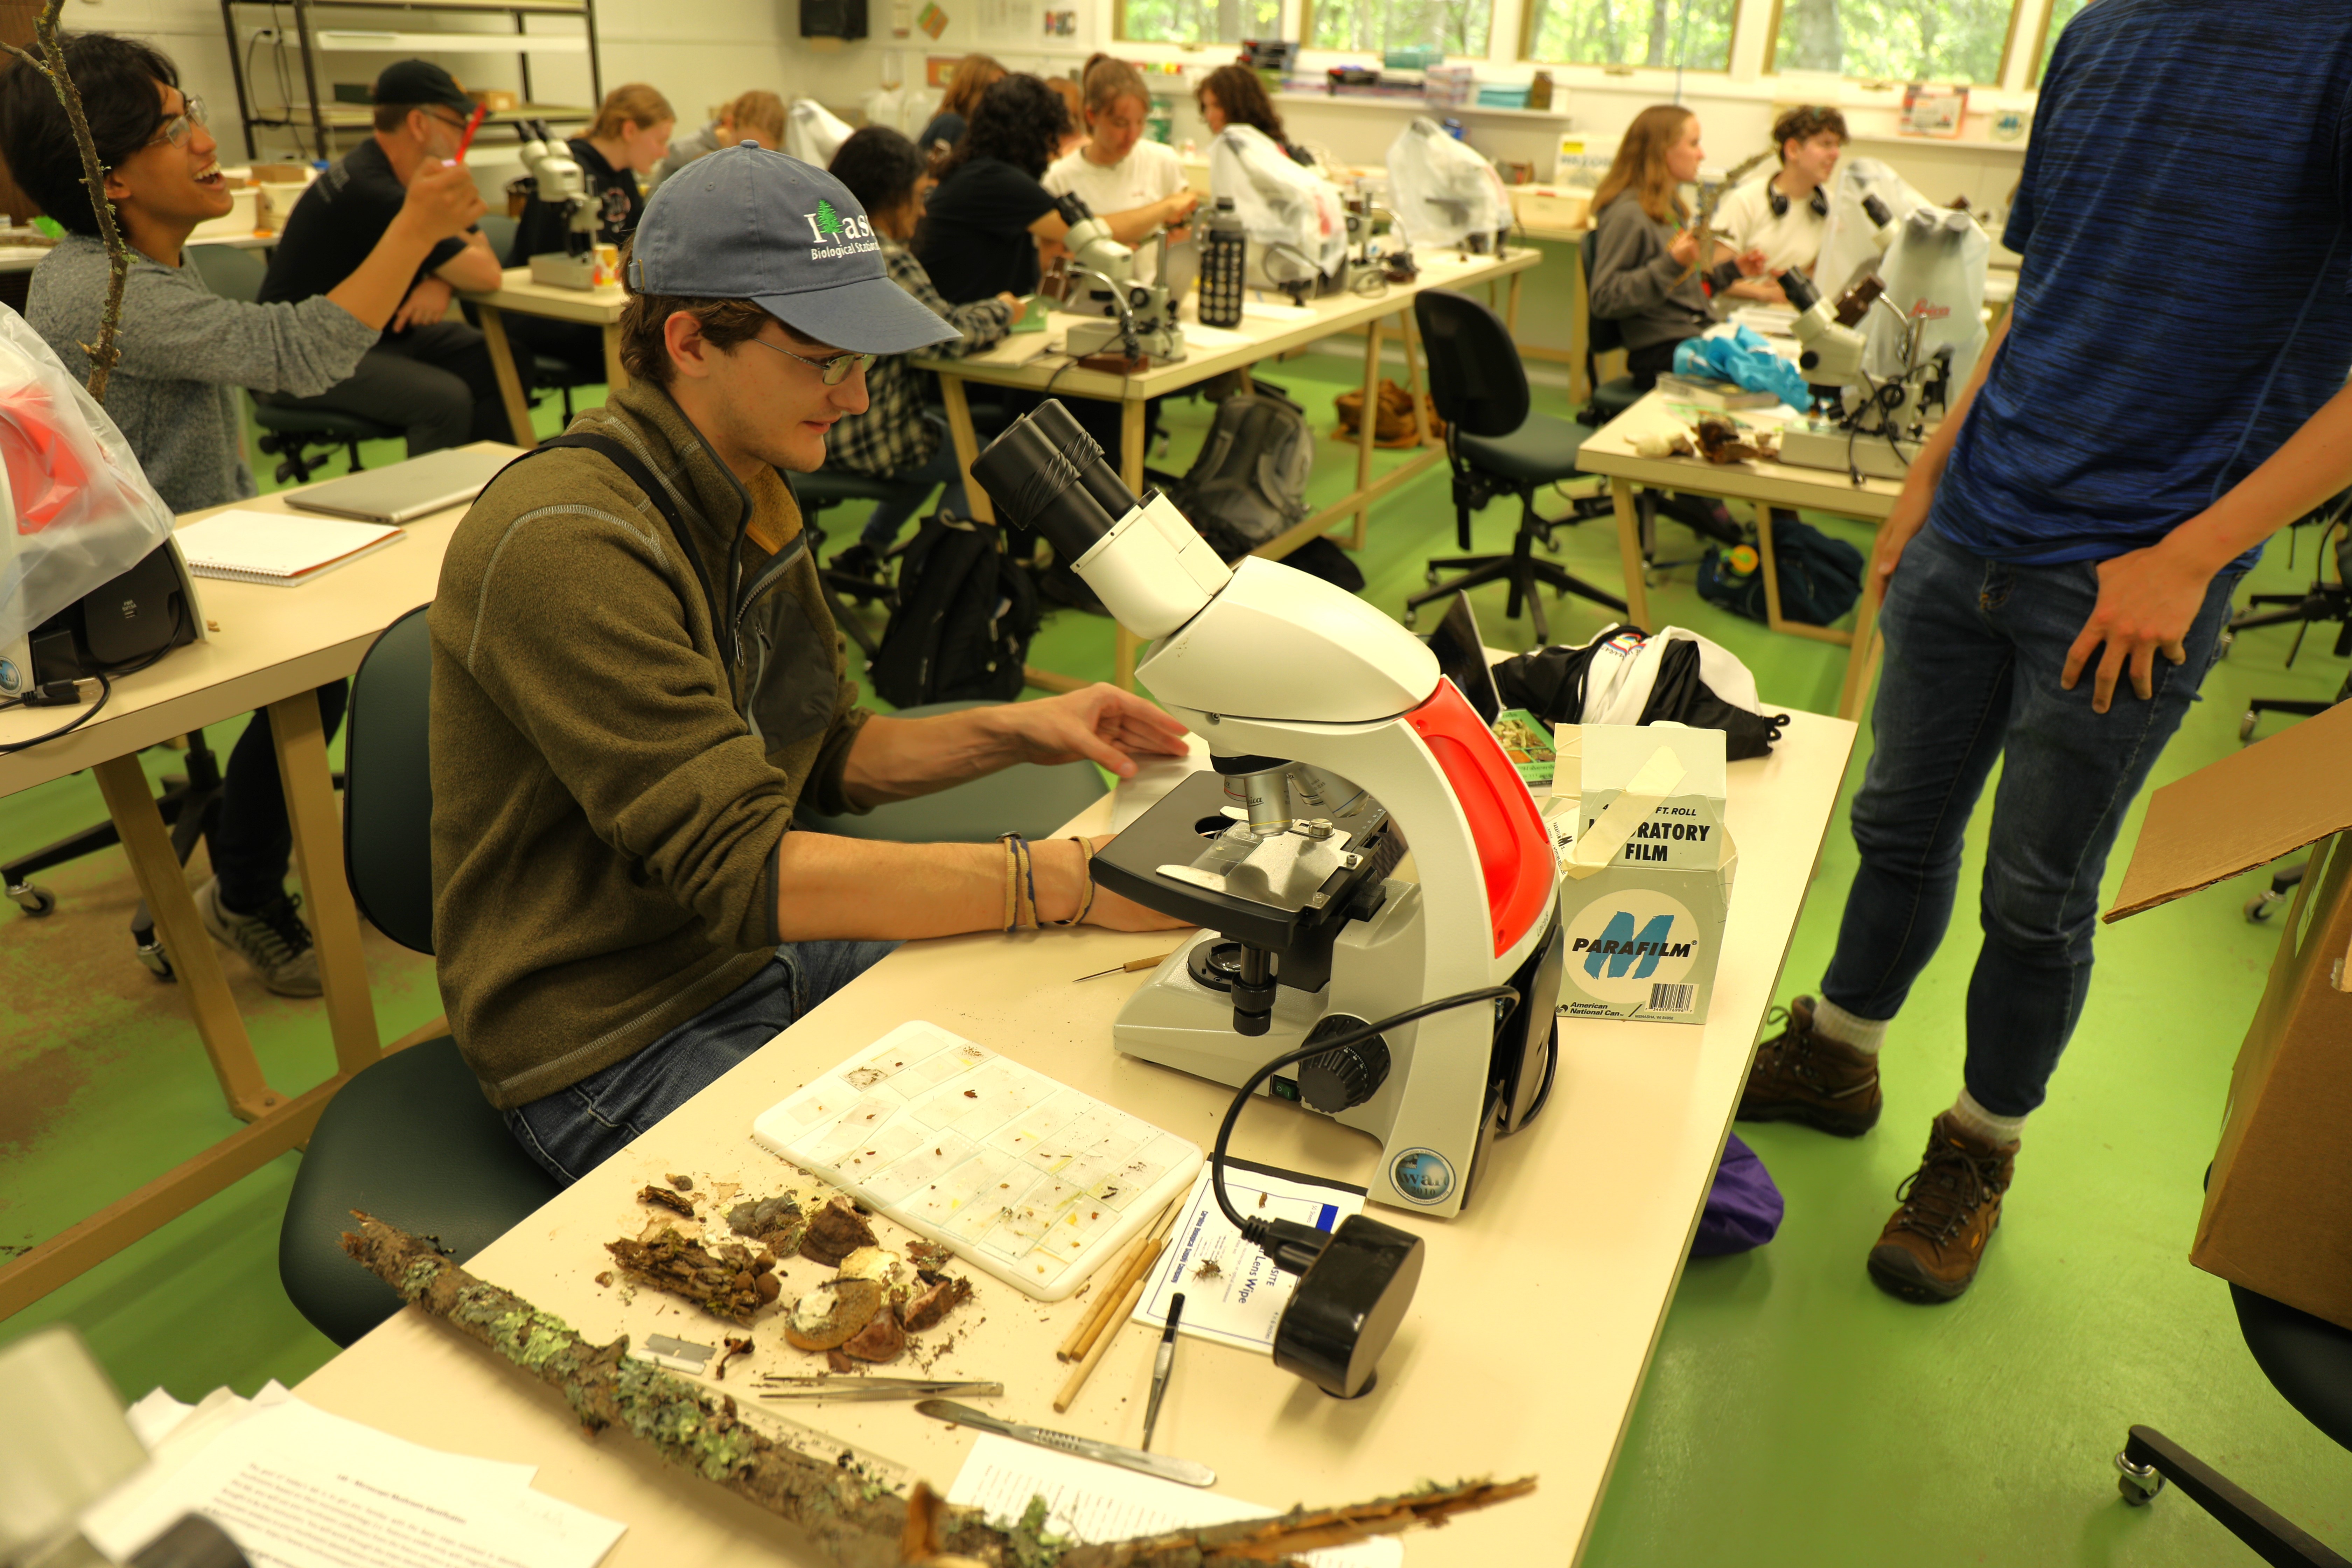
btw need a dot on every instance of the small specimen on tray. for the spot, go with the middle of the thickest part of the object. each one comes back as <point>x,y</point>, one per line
<point>775,1221</point>
<point>683,1184</point>
<point>927,1309</point>
<point>734,1347</point>
<point>828,1315</point>
<point>881,1340</point>
<point>854,1519</point>
<point>834,1232</point>
<point>727,1282</point>
<point>664,1198</point>
<point>1720,441</point>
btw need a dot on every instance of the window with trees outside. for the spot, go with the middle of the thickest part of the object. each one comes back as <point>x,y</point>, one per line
<point>1694,34</point>
<point>1457,26</point>
<point>1197,21</point>
<point>2060,13</point>
<point>1895,40</point>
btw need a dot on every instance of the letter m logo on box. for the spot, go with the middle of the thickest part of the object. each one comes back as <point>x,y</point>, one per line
<point>1619,946</point>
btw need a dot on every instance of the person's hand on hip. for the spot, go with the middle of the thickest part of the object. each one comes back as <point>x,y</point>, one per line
<point>2148,600</point>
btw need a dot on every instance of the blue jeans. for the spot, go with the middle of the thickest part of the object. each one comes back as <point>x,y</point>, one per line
<point>1974,650</point>
<point>881,529</point>
<point>575,1129</point>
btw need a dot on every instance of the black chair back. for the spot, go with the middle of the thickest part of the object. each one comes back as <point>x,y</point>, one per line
<point>230,271</point>
<point>1475,374</point>
<point>388,783</point>
<point>1601,334</point>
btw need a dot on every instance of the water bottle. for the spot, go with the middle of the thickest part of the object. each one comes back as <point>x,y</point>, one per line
<point>1223,251</point>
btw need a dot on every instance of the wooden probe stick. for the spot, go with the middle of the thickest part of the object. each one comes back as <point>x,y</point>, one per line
<point>1135,1263</point>
<point>1127,1305</point>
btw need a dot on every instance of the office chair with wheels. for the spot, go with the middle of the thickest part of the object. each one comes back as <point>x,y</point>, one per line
<point>537,370</point>
<point>409,1139</point>
<point>2309,1360</point>
<point>1496,446</point>
<point>2324,602</point>
<point>234,273</point>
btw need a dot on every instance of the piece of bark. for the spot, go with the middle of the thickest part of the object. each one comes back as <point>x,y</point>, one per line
<point>926,1310</point>
<point>828,1315</point>
<point>775,1221</point>
<point>667,1199</point>
<point>881,1340</point>
<point>727,1282</point>
<point>834,1232</point>
<point>854,1519</point>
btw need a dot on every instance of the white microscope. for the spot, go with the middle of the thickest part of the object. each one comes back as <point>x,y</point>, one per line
<point>1363,848</point>
<point>1139,318</point>
<point>562,183</point>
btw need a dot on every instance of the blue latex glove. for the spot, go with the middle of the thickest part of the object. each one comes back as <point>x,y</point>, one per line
<point>1745,360</point>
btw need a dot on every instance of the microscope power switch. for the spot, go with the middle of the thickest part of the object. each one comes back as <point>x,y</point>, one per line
<point>1340,1079</point>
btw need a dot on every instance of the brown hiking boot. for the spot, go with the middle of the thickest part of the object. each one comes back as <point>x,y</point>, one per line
<point>1950,1207</point>
<point>1800,1076</point>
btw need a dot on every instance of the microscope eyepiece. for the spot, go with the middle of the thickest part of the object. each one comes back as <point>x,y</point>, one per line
<point>1048,474</point>
<point>1877,210</point>
<point>1802,295</point>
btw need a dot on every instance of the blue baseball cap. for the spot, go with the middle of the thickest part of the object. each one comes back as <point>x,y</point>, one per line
<point>744,222</point>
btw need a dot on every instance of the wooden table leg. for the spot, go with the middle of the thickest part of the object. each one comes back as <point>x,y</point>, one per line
<point>1130,469</point>
<point>1367,426</point>
<point>616,375</point>
<point>164,885</point>
<point>967,445</point>
<point>1580,329</point>
<point>1862,659</point>
<point>1420,411</point>
<point>1511,305</point>
<point>318,825</point>
<point>510,387</point>
<point>1629,552</point>
<point>1772,616</point>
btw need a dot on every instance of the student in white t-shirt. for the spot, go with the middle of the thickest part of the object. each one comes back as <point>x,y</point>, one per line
<point>1137,186</point>
<point>1783,216</point>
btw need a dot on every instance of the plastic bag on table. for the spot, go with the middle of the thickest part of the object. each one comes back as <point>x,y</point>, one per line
<point>1297,224</point>
<point>813,132</point>
<point>81,511</point>
<point>1445,192</point>
<point>1850,245</point>
<point>1743,358</point>
<point>1625,675</point>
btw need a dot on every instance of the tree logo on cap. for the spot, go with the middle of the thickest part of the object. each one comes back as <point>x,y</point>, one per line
<point>829,223</point>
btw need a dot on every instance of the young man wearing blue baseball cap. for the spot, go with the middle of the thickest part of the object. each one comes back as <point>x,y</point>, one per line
<point>636,680</point>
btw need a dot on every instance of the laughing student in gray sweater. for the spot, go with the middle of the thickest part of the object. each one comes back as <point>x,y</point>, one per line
<point>184,353</point>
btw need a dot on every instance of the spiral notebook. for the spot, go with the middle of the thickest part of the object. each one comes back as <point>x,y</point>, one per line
<point>274,547</point>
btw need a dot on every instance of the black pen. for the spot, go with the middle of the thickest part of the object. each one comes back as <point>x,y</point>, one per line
<point>1161,1364</point>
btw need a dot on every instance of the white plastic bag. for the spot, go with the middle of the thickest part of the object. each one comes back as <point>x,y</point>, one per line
<point>1445,192</point>
<point>1935,274</point>
<point>813,132</point>
<point>80,511</point>
<point>1297,226</point>
<point>1849,239</point>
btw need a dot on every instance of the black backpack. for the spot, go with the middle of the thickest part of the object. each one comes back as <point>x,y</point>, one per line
<point>965,615</point>
<point>1820,578</point>
<point>1249,483</point>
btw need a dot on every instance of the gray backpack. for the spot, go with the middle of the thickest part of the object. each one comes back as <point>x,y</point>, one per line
<point>1249,483</point>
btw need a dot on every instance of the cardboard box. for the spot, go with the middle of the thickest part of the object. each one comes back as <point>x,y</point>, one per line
<point>2278,1205</point>
<point>1645,930</point>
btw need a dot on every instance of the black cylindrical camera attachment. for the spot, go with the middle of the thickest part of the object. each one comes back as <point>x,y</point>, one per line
<point>1047,473</point>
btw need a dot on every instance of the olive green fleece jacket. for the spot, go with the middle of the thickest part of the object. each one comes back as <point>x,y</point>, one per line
<point>608,793</point>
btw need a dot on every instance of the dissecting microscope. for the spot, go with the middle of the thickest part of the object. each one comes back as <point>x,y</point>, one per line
<point>560,184</point>
<point>1139,318</point>
<point>1876,397</point>
<point>1361,847</point>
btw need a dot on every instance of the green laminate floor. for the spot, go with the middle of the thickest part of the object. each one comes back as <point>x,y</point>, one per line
<point>1793,1415</point>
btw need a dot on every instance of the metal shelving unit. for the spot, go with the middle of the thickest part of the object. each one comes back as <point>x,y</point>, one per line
<point>325,118</point>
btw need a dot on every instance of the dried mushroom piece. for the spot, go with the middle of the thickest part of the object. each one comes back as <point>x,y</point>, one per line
<point>929,1258</point>
<point>727,1282</point>
<point>776,1221</point>
<point>667,1199</point>
<point>828,1315</point>
<point>834,1232</point>
<point>926,1310</point>
<point>881,1340</point>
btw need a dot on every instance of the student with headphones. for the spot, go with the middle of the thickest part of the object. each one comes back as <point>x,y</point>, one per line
<point>1782,215</point>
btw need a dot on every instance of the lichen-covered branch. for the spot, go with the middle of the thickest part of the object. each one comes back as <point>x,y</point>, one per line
<point>855,1521</point>
<point>50,61</point>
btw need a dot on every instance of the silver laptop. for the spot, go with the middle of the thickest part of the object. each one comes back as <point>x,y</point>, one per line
<point>406,491</point>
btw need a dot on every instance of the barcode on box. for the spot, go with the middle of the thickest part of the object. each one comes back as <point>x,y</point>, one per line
<point>1672,998</point>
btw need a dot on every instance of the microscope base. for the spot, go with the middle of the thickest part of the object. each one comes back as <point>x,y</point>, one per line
<point>559,270</point>
<point>1820,444</point>
<point>1165,346</point>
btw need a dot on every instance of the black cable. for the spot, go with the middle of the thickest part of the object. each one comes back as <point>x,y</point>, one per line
<point>105,689</point>
<point>1252,1228</point>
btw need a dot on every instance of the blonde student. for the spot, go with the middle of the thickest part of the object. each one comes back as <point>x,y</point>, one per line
<point>1135,185</point>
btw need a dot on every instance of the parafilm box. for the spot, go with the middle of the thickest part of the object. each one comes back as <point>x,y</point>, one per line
<point>1647,882</point>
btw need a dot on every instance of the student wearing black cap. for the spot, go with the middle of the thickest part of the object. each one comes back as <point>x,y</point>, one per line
<point>428,376</point>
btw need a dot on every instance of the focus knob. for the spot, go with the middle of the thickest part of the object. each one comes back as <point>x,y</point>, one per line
<point>1345,1076</point>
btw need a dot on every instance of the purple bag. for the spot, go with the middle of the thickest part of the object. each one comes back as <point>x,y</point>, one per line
<point>1743,1207</point>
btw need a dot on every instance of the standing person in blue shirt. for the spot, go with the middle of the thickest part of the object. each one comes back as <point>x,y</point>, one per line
<point>2059,568</point>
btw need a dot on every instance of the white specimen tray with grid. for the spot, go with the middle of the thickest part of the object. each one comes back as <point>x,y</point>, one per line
<point>1021,1177</point>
